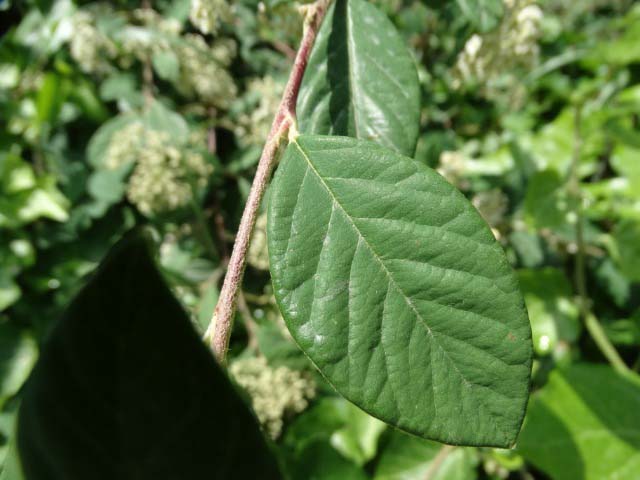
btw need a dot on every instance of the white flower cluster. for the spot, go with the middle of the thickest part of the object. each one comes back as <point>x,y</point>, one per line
<point>275,392</point>
<point>123,146</point>
<point>514,44</point>
<point>89,47</point>
<point>148,17</point>
<point>149,33</point>
<point>264,94</point>
<point>206,15</point>
<point>258,255</point>
<point>203,70</point>
<point>165,174</point>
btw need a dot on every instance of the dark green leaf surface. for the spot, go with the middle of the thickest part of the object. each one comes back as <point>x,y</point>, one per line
<point>584,424</point>
<point>125,389</point>
<point>395,288</point>
<point>361,80</point>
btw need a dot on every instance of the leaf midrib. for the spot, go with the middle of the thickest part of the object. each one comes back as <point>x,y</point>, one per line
<point>394,283</point>
<point>352,79</point>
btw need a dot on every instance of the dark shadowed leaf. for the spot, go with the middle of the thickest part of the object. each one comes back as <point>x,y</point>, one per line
<point>396,289</point>
<point>124,388</point>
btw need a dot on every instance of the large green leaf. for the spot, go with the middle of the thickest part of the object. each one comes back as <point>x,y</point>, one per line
<point>584,424</point>
<point>410,458</point>
<point>124,388</point>
<point>361,80</point>
<point>394,286</point>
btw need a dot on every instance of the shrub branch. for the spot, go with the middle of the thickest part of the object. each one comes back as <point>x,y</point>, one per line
<point>219,330</point>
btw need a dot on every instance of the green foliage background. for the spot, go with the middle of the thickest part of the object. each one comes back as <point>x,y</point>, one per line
<point>122,113</point>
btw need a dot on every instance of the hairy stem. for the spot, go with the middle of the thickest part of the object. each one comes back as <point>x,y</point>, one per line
<point>590,320</point>
<point>219,330</point>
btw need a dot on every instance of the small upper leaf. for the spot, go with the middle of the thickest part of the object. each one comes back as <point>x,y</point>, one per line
<point>396,289</point>
<point>124,388</point>
<point>361,80</point>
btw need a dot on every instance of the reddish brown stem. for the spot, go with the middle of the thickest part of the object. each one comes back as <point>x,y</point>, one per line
<point>219,330</point>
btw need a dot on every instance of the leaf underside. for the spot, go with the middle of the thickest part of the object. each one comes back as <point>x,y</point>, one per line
<point>396,289</point>
<point>361,80</point>
<point>124,388</point>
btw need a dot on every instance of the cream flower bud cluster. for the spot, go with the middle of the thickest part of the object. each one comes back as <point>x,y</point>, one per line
<point>203,70</point>
<point>89,47</point>
<point>149,33</point>
<point>252,127</point>
<point>275,392</point>
<point>206,15</point>
<point>514,44</point>
<point>165,174</point>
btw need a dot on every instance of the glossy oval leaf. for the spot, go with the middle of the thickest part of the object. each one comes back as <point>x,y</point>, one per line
<point>393,285</point>
<point>125,388</point>
<point>361,80</point>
